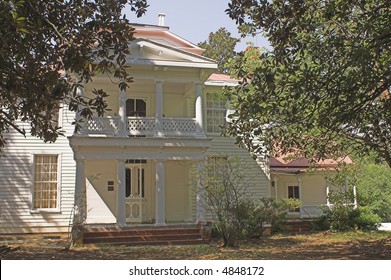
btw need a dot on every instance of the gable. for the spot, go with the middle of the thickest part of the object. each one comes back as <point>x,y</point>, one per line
<point>162,35</point>
<point>148,52</point>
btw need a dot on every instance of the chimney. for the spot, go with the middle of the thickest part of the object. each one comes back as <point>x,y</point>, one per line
<point>161,17</point>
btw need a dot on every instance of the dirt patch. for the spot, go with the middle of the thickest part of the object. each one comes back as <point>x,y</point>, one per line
<point>353,246</point>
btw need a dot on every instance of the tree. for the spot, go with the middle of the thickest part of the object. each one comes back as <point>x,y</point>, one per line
<point>220,46</point>
<point>225,187</point>
<point>49,49</point>
<point>374,186</point>
<point>323,90</point>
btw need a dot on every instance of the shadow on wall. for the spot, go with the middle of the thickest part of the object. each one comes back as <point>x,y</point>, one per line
<point>16,215</point>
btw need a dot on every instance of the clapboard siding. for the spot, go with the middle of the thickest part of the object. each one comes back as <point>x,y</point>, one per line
<point>256,172</point>
<point>16,181</point>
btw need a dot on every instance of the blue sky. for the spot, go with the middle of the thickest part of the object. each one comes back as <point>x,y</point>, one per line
<point>194,19</point>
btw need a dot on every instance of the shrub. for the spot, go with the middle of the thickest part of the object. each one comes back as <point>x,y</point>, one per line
<point>345,217</point>
<point>254,217</point>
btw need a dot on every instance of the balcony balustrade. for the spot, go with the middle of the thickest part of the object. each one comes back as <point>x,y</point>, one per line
<point>141,126</point>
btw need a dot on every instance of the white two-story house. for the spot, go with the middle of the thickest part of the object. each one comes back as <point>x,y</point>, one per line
<point>132,166</point>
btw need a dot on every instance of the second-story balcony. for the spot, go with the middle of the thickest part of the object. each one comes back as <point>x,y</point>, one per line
<point>142,127</point>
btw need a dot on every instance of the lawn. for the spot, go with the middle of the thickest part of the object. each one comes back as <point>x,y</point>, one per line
<point>318,246</point>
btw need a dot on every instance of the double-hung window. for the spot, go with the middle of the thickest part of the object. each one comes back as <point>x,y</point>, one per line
<point>216,111</point>
<point>45,188</point>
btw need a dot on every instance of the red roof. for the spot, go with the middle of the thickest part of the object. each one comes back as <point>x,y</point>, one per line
<point>286,164</point>
<point>221,77</point>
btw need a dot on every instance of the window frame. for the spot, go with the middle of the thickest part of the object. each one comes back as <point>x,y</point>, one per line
<point>215,110</point>
<point>57,209</point>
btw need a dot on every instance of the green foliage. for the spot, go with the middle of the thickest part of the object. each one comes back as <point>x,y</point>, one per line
<point>323,91</point>
<point>49,49</point>
<point>253,216</point>
<point>220,46</point>
<point>342,215</point>
<point>224,186</point>
<point>374,189</point>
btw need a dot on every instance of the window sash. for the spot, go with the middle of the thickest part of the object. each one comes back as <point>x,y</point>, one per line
<point>216,110</point>
<point>45,188</point>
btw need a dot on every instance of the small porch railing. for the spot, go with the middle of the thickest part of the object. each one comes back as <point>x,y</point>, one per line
<point>310,211</point>
<point>142,126</point>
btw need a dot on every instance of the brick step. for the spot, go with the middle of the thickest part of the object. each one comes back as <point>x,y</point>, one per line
<point>140,238</point>
<point>156,242</point>
<point>143,232</point>
<point>143,236</point>
<point>297,227</point>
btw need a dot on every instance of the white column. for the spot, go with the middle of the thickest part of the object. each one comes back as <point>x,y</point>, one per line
<point>198,106</point>
<point>160,197</point>
<point>299,184</point>
<point>354,197</point>
<point>327,193</point>
<point>276,187</point>
<point>159,109</point>
<point>121,207</point>
<point>122,114</point>
<point>79,92</point>
<point>200,203</point>
<point>80,193</point>
<point>300,196</point>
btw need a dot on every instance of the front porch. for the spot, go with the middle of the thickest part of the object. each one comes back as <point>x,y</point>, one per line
<point>137,181</point>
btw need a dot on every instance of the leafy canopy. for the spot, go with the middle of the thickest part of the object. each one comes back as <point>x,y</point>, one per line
<point>49,49</point>
<point>220,46</point>
<point>324,88</point>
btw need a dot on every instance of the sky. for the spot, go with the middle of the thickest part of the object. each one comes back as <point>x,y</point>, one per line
<point>193,20</point>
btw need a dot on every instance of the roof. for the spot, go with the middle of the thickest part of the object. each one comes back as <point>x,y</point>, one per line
<point>286,164</point>
<point>162,35</point>
<point>217,79</point>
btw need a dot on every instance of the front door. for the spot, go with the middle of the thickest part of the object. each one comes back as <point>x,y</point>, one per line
<point>135,174</point>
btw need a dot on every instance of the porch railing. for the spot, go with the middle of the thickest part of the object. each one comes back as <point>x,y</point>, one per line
<point>141,126</point>
<point>310,211</point>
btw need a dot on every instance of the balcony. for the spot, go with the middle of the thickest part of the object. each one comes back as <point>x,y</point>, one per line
<point>143,127</point>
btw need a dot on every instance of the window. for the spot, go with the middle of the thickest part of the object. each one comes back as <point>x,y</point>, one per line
<point>217,166</point>
<point>136,107</point>
<point>216,109</point>
<point>134,181</point>
<point>45,193</point>
<point>293,192</point>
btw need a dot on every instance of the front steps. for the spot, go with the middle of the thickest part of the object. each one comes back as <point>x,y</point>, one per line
<point>145,235</point>
<point>298,227</point>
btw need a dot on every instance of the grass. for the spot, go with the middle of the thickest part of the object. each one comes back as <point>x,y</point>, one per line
<point>326,245</point>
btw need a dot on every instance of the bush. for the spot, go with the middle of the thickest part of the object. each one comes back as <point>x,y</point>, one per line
<point>344,218</point>
<point>366,219</point>
<point>253,218</point>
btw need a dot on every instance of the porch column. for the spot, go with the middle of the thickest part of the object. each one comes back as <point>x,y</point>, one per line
<point>80,193</point>
<point>300,196</point>
<point>122,114</point>
<point>121,208</point>
<point>200,203</point>
<point>354,197</point>
<point>275,187</point>
<point>159,109</point>
<point>79,92</point>
<point>160,198</point>
<point>327,193</point>
<point>198,107</point>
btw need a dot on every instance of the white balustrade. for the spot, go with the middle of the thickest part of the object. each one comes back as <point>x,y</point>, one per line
<point>100,125</point>
<point>141,126</point>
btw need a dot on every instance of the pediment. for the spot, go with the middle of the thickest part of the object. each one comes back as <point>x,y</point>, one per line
<point>144,51</point>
